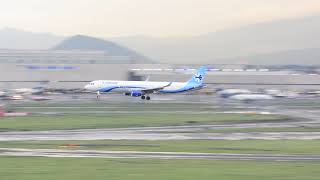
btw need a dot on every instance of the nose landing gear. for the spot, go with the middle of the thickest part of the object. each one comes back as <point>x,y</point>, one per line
<point>98,95</point>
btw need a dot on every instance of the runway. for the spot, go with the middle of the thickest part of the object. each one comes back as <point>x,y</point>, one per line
<point>160,155</point>
<point>145,134</point>
<point>304,118</point>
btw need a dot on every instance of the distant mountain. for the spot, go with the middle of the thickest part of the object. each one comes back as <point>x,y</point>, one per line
<point>300,56</point>
<point>225,46</point>
<point>262,43</point>
<point>18,39</point>
<point>81,42</point>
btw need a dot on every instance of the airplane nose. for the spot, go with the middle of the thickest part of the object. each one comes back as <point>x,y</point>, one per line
<point>87,87</point>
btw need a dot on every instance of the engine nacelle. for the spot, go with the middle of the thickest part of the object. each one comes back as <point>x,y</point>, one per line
<point>136,93</point>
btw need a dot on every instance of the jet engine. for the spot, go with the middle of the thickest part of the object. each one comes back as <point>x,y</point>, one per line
<point>136,93</point>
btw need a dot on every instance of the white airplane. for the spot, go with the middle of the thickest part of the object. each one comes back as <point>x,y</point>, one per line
<point>3,93</point>
<point>282,94</point>
<point>28,91</point>
<point>144,88</point>
<point>251,97</point>
<point>225,93</point>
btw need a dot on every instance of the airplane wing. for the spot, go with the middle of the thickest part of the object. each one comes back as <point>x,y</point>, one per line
<point>153,90</point>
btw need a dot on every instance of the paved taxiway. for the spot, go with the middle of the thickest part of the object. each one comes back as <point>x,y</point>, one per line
<point>161,155</point>
<point>306,117</point>
<point>135,134</point>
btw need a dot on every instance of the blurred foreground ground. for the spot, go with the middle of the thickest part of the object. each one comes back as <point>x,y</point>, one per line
<point>170,137</point>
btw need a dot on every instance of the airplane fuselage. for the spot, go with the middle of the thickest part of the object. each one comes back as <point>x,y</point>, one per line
<point>127,86</point>
<point>144,88</point>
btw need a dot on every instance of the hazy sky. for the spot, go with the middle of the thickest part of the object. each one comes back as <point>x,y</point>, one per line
<point>159,18</point>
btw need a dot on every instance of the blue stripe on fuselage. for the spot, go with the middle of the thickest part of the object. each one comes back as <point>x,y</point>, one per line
<point>183,89</point>
<point>110,88</point>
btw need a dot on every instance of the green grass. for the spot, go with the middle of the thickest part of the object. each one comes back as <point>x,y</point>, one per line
<point>273,129</point>
<point>140,106</point>
<point>34,168</point>
<point>114,120</point>
<point>204,146</point>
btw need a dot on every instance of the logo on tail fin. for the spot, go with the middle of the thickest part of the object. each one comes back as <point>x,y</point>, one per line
<point>199,77</point>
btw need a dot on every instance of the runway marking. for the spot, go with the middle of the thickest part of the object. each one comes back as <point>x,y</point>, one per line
<point>149,135</point>
<point>159,155</point>
<point>70,107</point>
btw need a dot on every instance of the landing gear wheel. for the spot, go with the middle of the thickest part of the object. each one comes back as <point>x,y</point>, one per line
<point>98,95</point>
<point>143,97</point>
<point>148,98</point>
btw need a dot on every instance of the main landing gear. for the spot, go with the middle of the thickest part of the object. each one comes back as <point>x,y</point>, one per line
<point>145,97</point>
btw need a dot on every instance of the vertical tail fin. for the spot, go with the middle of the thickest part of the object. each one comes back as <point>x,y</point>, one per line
<point>198,78</point>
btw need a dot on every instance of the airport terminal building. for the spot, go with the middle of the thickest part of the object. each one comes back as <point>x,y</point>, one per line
<point>73,68</point>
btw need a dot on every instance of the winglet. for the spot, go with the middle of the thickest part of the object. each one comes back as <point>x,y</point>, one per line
<point>147,79</point>
<point>168,85</point>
